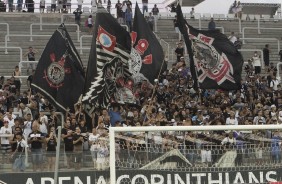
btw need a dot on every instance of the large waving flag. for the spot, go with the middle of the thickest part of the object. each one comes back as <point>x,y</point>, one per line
<point>59,75</point>
<point>147,53</point>
<point>217,62</point>
<point>108,70</point>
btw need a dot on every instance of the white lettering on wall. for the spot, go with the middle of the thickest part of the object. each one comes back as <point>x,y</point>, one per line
<point>47,180</point>
<point>226,178</point>
<point>219,181</point>
<point>177,179</point>
<point>29,181</point>
<point>252,178</point>
<point>121,178</point>
<point>139,176</point>
<point>62,179</point>
<point>101,180</point>
<point>268,177</point>
<point>155,176</point>
<point>199,175</point>
<point>238,178</point>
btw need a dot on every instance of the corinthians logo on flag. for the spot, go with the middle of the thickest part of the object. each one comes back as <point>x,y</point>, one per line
<point>56,71</point>
<point>209,63</point>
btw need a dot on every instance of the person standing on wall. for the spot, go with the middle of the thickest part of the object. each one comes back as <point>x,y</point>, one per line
<point>145,5</point>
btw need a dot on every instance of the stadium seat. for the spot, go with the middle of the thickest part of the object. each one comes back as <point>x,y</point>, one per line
<point>216,16</point>
<point>187,15</point>
<point>244,17</point>
<point>276,18</point>
<point>206,16</point>
<point>252,17</point>
<point>265,17</point>
<point>257,17</point>
<point>222,16</point>
<point>230,16</point>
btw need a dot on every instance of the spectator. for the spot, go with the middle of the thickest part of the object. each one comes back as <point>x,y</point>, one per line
<point>51,141</point>
<point>78,140</point>
<point>179,51</point>
<point>256,62</point>
<point>128,18</point>
<point>27,126</point>
<point>90,24</point>
<point>211,25</point>
<point>30,54</point>
<point>19,153</point>
<point>19,5</point>
<point>42,6</point>
<point>155,10</point>
<point>239,9</point>
<point>192,13</point>
<point>77,16</point>
<point>276,148</point>
<point>145,6</point>
<point>232,37</point>
<point>109,5</point>
<point>119,12</point>
<point>129,4</point>
<point>151,21</point>
<point>68,137</point>
<point>266,52</point>
<point>232,120</point>
<point>16,74</point>
<point>93,141</point>
<point>53,6</point>
<point>5,132</point>
<point>36,139</point>
<point>280,54</point>
<point>102,155</point>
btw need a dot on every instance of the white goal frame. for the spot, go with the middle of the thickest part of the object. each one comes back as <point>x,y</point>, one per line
<point>113,130</point>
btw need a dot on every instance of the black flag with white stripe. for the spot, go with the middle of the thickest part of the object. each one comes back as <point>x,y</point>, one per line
<point>107,69</point>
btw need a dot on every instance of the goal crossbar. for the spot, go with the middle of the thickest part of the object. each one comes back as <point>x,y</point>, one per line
<point>113,130</point>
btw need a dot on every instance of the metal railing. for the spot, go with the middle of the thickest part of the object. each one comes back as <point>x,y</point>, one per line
<point>21,35</point>
<point>6,50</point>
<point>8,29</point>
<point>168,47</point>
<point>81,43</point>
<point>48,24</point>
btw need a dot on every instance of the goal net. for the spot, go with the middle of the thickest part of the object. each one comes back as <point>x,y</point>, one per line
<point>196,154</point>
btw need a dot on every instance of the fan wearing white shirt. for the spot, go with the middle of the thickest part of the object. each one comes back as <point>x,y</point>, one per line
<point>93,141</point>
<point>5,145</point>
<point>27,126</point>
<point>232,120</point>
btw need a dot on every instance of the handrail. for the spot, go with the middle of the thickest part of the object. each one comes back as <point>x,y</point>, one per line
<point>6,52</point>
<point>168,46</point>
<point>217,27</point>
<point>268,28</point>
<point>8,29</point>
<point>80,42</point>
<point>126,27</point>
<point>253,50</point>
<point>70,15</point>
<point>244,28</point>
<point>50,24</point>
<point>21,62</point>
<point>267,39</point>
<point>278,71</point>
<point>20,35</point>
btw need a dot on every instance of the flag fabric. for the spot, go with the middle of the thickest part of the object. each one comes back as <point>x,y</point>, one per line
<point>217,62</point>
<point>59,75</point>
<point>147,53</point>
<point>108,70</point>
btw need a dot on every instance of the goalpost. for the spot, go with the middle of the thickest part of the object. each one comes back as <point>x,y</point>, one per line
<point>114,130</point>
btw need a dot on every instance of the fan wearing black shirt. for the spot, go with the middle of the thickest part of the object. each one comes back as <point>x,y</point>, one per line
<point>67,135</point>
<point>35,139</point>
<point>78,140</point>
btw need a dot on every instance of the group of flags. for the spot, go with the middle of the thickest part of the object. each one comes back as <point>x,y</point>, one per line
<point>119,60</point>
